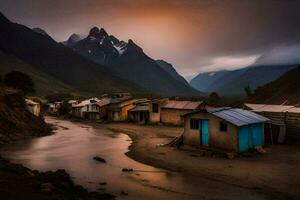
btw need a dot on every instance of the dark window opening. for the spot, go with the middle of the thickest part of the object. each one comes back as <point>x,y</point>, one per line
<point>155,108</point>
<point>141,117</point>
<point>223,126</point>
<point>195,123</point>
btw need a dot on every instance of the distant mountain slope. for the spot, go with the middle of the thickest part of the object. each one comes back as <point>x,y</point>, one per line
<point>128,61</point>
<point>58,61</point>
<point>232,83</point>
<point>204,80</point>
<point>170,69</point>
<point>41,80</point>
<point>254,77</point>
<point>285,89</point>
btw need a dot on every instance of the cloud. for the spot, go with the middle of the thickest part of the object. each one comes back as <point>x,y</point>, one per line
<point>281,55</point>
<point>229,63</point>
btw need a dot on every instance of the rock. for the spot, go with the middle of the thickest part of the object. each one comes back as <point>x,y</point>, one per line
<point>124,193</point>
<point>97,158</point>
<point>127,170</point>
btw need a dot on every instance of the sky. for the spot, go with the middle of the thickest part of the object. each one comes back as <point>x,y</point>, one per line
<point>193,35</point>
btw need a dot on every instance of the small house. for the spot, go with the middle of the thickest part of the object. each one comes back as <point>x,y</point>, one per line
<point>284,121</point>
<point>230,129</point>
<point>33,107</point>
<point>97,110</point>
<point>54,107</point>
<point>81,107</point>
<point>139,114</point>
<point>172,111</point>
<point>155,110</point>
<point>118,110</point>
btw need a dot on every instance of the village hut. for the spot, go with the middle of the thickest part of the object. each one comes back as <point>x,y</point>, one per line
<point>54,107</point>
<point>230,129</point>
<point>155,110</point>
<point>139,114</point>
<point>284,121</point>
<point>97,110</point>
<point>172,111</point>
<point>79,109</point>
<point>33,107</point>
<point>118,110</point>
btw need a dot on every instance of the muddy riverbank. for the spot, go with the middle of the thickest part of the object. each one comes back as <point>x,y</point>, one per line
<point>273,173</point>
<point>75,144</point>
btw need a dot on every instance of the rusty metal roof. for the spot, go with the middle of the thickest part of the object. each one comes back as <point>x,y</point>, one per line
<point>272,108</point>
<point>31,102</point>
<point>182,105</point>
<point>103,102</point>
<point>140,108</point>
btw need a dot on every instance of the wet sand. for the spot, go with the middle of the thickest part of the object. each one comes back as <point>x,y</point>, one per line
<point>275,173</point>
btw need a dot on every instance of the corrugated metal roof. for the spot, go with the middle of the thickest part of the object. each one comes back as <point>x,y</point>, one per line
<point>31,102</point>
<point>140,108</point>
<point>103,102</point>
<point>86,102</point>
<point>272,108</point>
<point>237,116</point>
<point>183,105</point>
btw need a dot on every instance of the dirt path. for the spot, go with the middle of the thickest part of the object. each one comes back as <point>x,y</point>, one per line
<point>275,173</point>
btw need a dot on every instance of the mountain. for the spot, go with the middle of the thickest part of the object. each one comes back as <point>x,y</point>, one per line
<point>73,39</point>
<point>170,69</point>
<point>41,80</point>
<point>54,59</point>
<point>232,83</point>
<point>40,31</point>
<point>285,89</point>
<point>203,81</point>
<point>128,61</point>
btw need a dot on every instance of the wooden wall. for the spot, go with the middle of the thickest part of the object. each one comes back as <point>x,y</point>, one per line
<point>293,126</point>
<point>290,120</point>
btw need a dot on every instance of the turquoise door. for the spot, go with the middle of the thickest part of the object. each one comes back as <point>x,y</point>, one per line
<point>204,132</point>
<point>243,138</point>
<point>257,133</point>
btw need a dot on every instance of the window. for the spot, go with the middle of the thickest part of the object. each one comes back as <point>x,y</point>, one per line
<point>155,108</point>
<point>223,126</point>
<point>194,123</point>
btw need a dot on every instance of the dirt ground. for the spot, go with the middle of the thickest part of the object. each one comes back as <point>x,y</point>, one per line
<point>275,173</point>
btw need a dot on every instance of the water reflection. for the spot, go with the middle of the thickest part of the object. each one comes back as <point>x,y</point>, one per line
<point>73,147</point>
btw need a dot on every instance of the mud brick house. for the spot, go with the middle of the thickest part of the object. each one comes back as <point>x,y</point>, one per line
<point>284,121</point>
<point>155,110</point>
<point>230,129</point>
<point>118,110</point>
<point>139,114</point>
<point>171,112</point>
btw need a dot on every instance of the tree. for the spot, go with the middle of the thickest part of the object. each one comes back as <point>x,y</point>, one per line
<point>19,80</point>
<point>214,99</point>
<point>248,90</point>
<point>64,109</point>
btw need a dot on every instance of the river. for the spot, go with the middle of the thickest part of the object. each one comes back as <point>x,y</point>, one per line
<point>73,147</point>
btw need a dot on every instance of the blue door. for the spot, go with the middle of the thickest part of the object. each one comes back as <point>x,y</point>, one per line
<point>204,132</point>
<point>257,134</point>
<point>243,138</point>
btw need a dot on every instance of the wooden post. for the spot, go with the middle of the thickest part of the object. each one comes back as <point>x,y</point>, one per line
<point>271,134</point>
